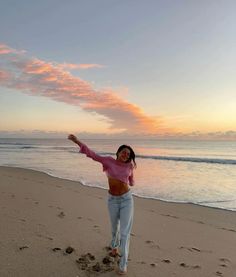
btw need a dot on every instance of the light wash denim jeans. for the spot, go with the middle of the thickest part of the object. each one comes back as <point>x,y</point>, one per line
<point>121,211</point>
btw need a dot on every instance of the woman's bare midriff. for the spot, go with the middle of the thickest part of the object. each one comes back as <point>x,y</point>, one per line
<point>116,187</point>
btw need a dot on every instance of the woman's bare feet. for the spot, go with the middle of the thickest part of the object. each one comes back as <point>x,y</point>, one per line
<point>114,252</point>
<point>121,272</point>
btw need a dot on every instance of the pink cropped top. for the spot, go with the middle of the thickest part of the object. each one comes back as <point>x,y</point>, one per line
<point>113,168</point>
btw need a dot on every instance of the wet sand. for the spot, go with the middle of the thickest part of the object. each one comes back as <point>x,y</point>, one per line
<point>55,227</point>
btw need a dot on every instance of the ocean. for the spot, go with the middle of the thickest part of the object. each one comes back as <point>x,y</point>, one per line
<point>199,172</point>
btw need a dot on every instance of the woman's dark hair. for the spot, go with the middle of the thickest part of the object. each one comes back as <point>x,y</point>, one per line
<point>131,156</point>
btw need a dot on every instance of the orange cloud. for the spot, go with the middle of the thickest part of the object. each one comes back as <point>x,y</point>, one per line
<point>37,77</point>
<point>71,66</point>
<point>86,66</point>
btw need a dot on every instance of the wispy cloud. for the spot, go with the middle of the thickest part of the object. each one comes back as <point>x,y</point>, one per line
<point>5,49</point>
<point>37,77</point>
<point>71,66</point>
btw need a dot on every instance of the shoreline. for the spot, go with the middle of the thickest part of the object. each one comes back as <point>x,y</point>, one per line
<point>100,187</point>
<point>39,213</point>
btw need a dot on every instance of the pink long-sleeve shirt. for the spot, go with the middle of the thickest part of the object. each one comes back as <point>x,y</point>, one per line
<point>113,168</point>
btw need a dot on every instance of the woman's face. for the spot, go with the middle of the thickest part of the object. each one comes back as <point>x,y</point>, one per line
<point>123,155</point>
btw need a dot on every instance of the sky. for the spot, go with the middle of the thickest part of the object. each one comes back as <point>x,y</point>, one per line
<point>153,69</point>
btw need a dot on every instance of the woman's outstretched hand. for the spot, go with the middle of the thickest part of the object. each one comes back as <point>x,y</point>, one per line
<point>73,138</point>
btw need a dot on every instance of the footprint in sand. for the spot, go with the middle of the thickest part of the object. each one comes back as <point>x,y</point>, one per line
<point>96,229</point>
<point>61,214</point>
<point>189,266</point>
<point>218,273</point>
<point>149,241</point>
<point>107,248</point>
<point>170,215</point>
<point>230,230</point>
<point>152,244</point>
<point>142,262</point>
<point>85,260</point>
<point>224,262</point>
<point>167,261</point>
<point>55,249</point>
<point>45,237</point>
<point>69,250</point>
<point>23,247</point>
<point>194,249</point>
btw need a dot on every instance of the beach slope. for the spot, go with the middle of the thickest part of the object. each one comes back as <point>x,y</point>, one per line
<point>55,227</point>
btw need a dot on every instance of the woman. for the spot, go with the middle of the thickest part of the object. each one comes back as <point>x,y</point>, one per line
<point>119,172</point>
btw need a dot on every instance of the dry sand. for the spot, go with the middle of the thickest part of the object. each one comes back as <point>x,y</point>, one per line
<point>41,216</point>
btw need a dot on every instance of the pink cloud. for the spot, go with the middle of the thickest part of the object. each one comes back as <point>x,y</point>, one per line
<point>37,77</point>
<point>71,66</point>
<point>5,76</point>
<point>4,49</point>
<point>86,66</point>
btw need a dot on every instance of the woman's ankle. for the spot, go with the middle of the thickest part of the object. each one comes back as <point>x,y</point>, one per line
<point>114,252</point>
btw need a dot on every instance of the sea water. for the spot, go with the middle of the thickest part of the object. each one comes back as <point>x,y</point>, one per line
<point>200,172</point>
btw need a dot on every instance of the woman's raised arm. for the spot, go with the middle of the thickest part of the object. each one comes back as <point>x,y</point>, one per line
<point>84,149</point>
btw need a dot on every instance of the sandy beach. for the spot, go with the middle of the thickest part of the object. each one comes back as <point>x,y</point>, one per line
<point>55,227</point>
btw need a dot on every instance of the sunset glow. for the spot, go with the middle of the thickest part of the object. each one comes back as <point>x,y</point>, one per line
<point>177,84</point>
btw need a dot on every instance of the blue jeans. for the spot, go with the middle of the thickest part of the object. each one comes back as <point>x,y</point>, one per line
<point>121,210</point>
